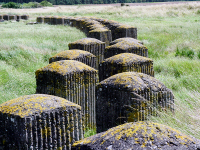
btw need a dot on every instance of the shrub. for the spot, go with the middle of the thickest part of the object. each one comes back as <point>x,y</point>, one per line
<point>11,5</point>
<point>46,3</point>
<point>31,5</point>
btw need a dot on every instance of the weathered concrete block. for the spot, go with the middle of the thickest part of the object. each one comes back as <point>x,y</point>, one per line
<point>40,19</point>
<point>139,136</point>
<point>47,19</point>
<point>126,46</point>
<point>91,27</point>
<point>60,20</point>
<point>18,17</point>
<point>92,45</point>
<point>124,31</point>
<point>119,30</point>
<point>25,17</point>
<point>125,62</point>
<point>67,21</point>
<point>72,80</point>
<point>76,54</point>
<point>87,25</point>
<point>6,17</point>
<point>128,97</point>
<point>126,39</point>
<point>39,121</point>
<point>54,20</point>
<point>102,34</point>
<point>13,17</point>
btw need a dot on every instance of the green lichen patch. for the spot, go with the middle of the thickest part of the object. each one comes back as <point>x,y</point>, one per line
<point>127,59</point>
<point>35,104</point>
<point>65,67</point>
<point>71,54</point>
<point>133,81</point>
<point>139,135</point>
<point>85,41</point>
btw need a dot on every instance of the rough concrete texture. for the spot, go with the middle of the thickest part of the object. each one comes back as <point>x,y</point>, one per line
<point>118,30</point>
<point>6,17</point>
<point>40,121</point>
<point>101,33</point>
<point>57,20</point>
<point>40,19</point>
<point>75,54</point>
<point>126,46</point>
<point>47,19</point>
<point>54,20</point>
<point>139,136</point>
<point>13,17</point>
<point>72,80</point>
<point>92,45</point>
<point>128,97</point>
<point>128,39</point>
<point>125,62</point>
<point>25,17</point>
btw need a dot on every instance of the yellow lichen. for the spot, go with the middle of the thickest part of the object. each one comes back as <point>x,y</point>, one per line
<point>36,103</point>
<point>65,67</point>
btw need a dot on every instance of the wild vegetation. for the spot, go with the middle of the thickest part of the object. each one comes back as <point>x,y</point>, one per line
<point>79,2</point>
<point>171,33</point>
<point>44,3</point>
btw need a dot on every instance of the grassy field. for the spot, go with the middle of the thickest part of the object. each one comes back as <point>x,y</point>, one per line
<point>171,33</point>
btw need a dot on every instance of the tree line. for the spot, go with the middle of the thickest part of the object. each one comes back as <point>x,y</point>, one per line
<point>74,2</point>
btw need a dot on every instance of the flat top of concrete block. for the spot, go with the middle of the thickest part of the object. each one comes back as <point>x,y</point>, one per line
<point>126,45</point>
<point>99,29</point>
<point>87,41</point>
<point>47,16</point>
<point>128,39</point>
<point>127,59</point>
<point>124,26</point>
<point>93,26</point>
<point>133,81</point>
<point>35,104</point>
<point>65,67</point>
<point>141,135</point>
<point>91,22</point>
<point>73,54</point>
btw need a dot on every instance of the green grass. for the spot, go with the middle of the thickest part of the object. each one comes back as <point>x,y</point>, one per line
<point>26,48</point>
<point>171,33</point>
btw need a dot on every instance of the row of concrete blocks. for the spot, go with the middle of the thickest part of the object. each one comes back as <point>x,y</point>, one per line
<point>14,17</point>
<point>99,49</point>
<point>103,30</point>
<point>76,82</point>
<point>124,62</point>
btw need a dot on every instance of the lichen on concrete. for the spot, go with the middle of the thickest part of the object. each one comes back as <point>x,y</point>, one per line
<point>139,135</point>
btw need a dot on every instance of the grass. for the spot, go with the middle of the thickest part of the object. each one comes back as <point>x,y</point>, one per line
<point>171,33</point>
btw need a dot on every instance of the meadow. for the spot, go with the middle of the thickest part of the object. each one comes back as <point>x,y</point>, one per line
<point>170,32</point>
